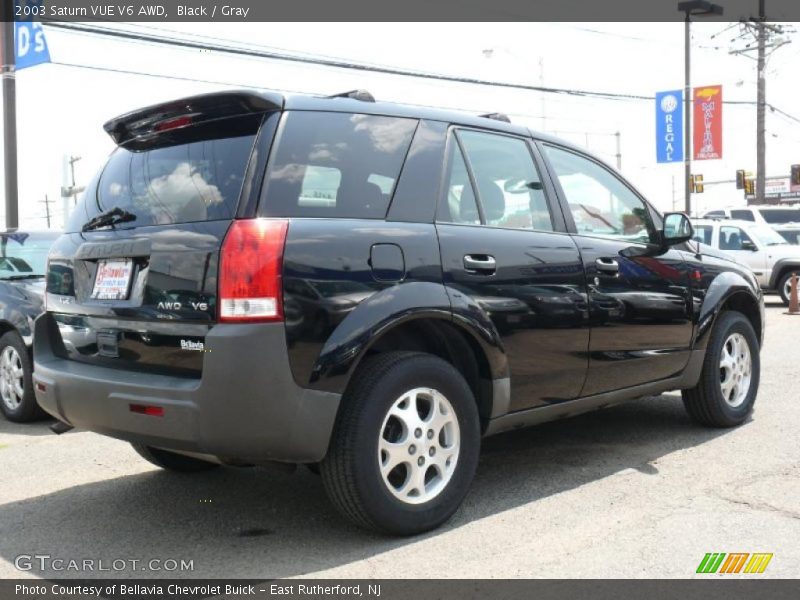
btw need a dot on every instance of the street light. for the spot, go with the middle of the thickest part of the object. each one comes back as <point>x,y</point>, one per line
<point>696,8</point>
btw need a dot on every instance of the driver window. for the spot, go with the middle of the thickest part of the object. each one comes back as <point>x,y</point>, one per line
<point>601,204</point>
<point>732,238</point>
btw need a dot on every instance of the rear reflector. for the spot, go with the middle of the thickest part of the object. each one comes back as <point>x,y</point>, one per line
<point>149,410</point>
<point>250,271</point>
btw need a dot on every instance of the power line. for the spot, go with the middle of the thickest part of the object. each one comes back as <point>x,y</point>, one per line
<point>346,64</point>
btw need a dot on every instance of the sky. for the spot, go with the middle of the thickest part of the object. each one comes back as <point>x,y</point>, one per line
<point>61,106</point>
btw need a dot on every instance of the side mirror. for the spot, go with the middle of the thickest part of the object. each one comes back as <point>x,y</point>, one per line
<point>677,229</point>
<point>748,245</point>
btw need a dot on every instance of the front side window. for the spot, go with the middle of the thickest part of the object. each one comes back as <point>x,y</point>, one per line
<point>336,165</point>
<point>509,190</point>
<point>601,204</point>
<point>702,234</point>
<point>732,238</point>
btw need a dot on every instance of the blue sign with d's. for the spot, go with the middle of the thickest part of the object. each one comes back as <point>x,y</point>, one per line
<point>669,126</point>
<point>30,44</point>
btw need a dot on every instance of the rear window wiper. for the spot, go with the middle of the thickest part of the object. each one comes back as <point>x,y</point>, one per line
<point>110,217</point>
<point>18,277</point>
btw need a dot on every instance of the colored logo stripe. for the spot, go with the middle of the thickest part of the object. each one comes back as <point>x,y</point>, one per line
<point>758,563</point>
<point>711,562</point>
<point>714,562</point>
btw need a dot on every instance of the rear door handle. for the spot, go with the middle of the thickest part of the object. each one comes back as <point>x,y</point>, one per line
<point>607,265</point>
<point>484,264</point>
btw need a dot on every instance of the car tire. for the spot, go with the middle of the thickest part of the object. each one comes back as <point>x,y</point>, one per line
<point>17,400</point>
<point>784,286</point>
<point>172,461</point>
<point>406,444</point>
<point>728,385</point>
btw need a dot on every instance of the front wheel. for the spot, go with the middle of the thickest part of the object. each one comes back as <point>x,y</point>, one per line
<point>406,444</point>
<point>785,287</point>
<point>17,400</point>
<point>728,385</point>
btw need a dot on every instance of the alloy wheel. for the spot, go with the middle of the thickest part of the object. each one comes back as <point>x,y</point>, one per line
<point>735,369</point>
<point>12,378</point>
<point>418,445</point>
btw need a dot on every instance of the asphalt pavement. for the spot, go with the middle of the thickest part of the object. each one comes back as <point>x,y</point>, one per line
<point>635,490</point>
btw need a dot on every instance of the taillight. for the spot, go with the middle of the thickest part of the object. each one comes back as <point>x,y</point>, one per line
<point>250,271</point>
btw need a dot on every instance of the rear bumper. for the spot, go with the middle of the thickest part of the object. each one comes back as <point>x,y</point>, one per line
<point>247,406</point>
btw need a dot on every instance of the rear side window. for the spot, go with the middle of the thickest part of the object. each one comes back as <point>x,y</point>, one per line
<point>336,165</point>
<point>744,215</point>
<point>781,215</point>
<point>702,233</point>
<point>200,180</point>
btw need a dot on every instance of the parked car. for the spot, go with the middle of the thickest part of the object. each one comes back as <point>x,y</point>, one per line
<point>490,278</point>
<point>760,247</point>
<point>765,215</point>
<point>791,233</point>
<point>23,264</point>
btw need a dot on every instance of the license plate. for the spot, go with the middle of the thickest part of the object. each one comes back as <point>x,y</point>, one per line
<point>113,279</point>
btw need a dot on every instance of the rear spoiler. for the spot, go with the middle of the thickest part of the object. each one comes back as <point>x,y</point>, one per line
<point>142,124</point>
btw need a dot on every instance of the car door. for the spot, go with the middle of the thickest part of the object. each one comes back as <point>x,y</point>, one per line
<point>638,292</point>
<point>507,257</point>
<point>745,249</point>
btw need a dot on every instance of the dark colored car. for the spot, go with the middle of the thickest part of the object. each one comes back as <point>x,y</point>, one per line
<point>23,265</point>
<point>378,286</point>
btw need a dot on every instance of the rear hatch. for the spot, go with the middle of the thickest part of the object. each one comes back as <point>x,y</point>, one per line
<point>132,284</point>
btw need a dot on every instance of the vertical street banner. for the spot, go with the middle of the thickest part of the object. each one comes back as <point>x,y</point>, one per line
<point>669,126</point>
<point>707,116</point>
<point>30,45</point>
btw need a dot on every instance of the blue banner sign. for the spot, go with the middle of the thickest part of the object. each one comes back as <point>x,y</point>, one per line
<point>669,126</point>
<point>30,45</point>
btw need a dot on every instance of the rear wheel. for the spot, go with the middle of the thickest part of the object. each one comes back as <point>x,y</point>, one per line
<point>785,287</point>
<point>728,385</point>
<point>17,400</point>
<point>406,444</point>
<point>172,461</point>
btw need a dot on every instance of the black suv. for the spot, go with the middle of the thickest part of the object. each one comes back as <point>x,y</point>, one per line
<point>369,288</point>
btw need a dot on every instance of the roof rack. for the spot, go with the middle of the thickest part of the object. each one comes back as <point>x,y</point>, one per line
<point>361,95</point>
<point>497,117</point>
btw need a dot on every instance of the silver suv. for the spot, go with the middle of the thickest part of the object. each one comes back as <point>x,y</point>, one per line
<point>765,215</point>
<point>764,250</point>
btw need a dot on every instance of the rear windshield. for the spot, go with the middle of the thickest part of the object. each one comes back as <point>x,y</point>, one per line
<point>199,180</point>
<point>781,215</point>
<point>337,165</point>
<point>24,254</point>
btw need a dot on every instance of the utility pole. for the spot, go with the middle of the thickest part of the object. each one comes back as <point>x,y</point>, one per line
<point>761,98</point>
<point>618,135</point>
<point>47,202</point>
<point>72,161</point>
<point>764,38</point>
<point>687,114</point>
<point>9,117</point>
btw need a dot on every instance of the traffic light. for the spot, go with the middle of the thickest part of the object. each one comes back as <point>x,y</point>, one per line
<point>740,177</point>
<point>795,174</point>
<point>696,182</point>
<point>749,187</point>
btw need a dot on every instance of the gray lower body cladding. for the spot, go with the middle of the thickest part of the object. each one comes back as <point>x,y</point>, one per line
<point>246,407</point>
